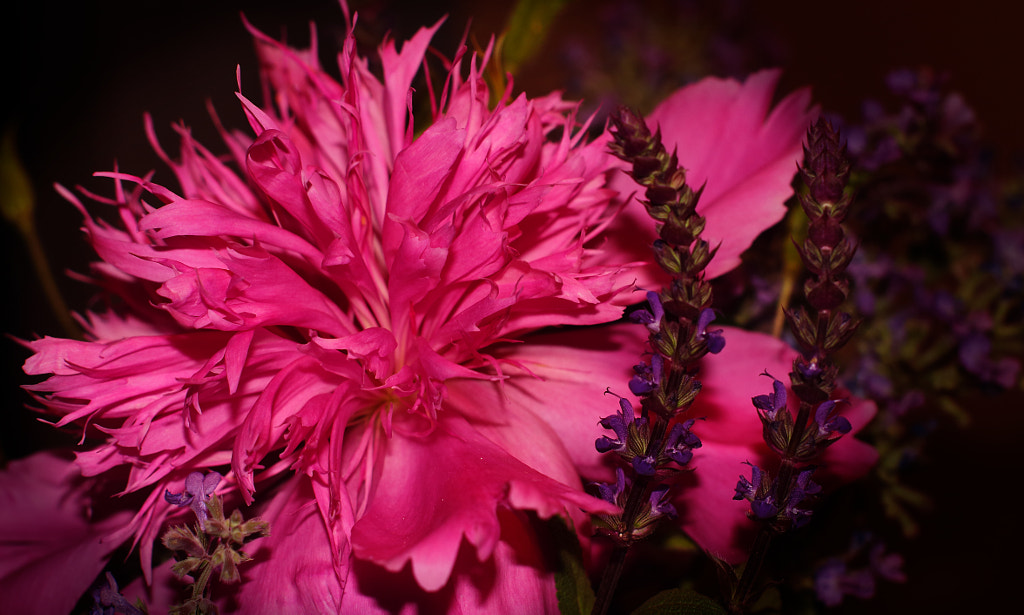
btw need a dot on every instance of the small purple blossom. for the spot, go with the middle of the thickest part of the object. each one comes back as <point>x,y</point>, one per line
<point>647,376</point>
<point>837,578</point>
<point>715,340</point>
<point>828,422</point>
<point>650,318</point>
<point>765,504</point>
<point>107,600</point>
<point>888,566</point>
<point>770,404</point>
<point>660,504</point>
<point>198,489</point>
<point>803,488</point>
<point>645,465</point>
<point>619,423</point>
<point>613,494</point>
<point>757,491</point>
<point>680,442</point>
<point>834,580</point>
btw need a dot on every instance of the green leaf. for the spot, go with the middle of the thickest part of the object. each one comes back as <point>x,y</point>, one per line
<point>572,586</point>
<point>680,602</point>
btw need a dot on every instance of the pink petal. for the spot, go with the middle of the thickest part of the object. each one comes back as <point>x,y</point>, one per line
<point>707,511</point>
<point>731,378</point>
<point>433,490</point>
<point>294,569</point>
<point>52,549</point>
<point>562,377</point>
<point>725,136</point>
<point>515,579</point>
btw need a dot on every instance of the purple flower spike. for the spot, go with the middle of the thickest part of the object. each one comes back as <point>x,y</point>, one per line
<point>196,484</point>
<point>715,339</point>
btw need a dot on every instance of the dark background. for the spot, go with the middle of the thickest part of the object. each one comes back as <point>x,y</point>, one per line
<point>77,80</point>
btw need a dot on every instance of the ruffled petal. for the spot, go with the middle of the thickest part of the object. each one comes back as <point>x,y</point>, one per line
<point>514,579</point>
<point>437,489</point>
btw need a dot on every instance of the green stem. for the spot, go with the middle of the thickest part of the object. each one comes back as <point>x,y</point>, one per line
<point>758,552</point>
<point>610,580</point>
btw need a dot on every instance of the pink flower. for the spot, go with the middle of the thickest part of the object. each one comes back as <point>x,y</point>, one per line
<point>303,315</point>
<point>323,318</point>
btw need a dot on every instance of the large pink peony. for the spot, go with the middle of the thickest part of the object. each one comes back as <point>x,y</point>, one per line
<point>326,317</point>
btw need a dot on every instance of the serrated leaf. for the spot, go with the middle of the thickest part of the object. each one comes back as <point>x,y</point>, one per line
<point>572,586</point>
<point>680,602</point>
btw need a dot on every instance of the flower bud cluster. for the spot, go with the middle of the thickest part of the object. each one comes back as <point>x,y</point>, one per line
<point>654,508</point>
<point>826,254</point>
<point>771,501</point>
<point>778,424</point>
<point>634,443</point>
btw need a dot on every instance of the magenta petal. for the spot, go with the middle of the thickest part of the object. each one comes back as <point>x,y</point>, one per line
<point>562,377</point>
<point>52,549</point>
<point>731,378</point>
<point>436,489</point>
<point>727,135</point>
<point>707,511</point>
<point>515,579</point>
<point>293,569</point>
